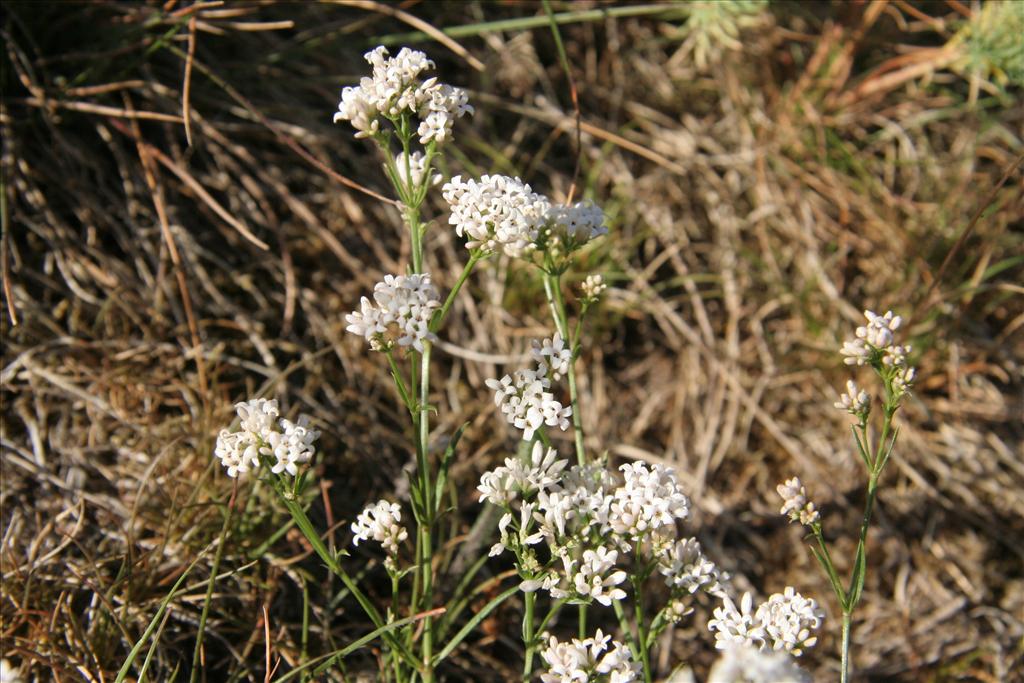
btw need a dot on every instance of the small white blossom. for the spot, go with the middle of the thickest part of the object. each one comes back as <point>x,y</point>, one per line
<point>417,166</point>
<point>648,500</point>
<point>785,621</point>
<point>400,313</point>
<point>594,576</point>
<point>552,356</point>
<point>902,381</point>
<point>527,404</point>
<point>855,401</point>
<point>876,337</point>
<point>576,225</point>
<point>593,286</point>
<point>382,522</point>
<point>395,89</point>
<point>589,660</point>
<point>795,504</point>
<point>741,663</point>
<point>261,433</point>
<point>9,673</point>
<point>496,213</point>
<point>685,567</point>
<point>789,621</point>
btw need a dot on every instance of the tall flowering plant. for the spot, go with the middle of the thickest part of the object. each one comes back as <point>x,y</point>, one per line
<point>582,534</point>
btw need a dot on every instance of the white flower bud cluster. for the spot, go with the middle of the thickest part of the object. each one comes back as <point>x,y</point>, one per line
<point>261,433</point>
<point>382,522</point>
<point>685,567</point>
<point>590,660</point>
<point>786,621</point>
<point>795,504</point>
<point>417,167</point>
<point>649,502</point>
<point>394,89</point>
<point>400,313</point>
<point>592,287</point>
<point>496,213</point>
<point>504,484</point>
<point>741,663</point>
<point>855,401</point>
<point>525,399</point>
<point>876,339</point>
<point>552,356</point>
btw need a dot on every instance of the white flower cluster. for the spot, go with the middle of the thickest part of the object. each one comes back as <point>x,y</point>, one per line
<point>382,522</point>
<point>876,340</point>
<point>741,663</point>
<point>569,509</point>
<point>525,399</point>
<point>400,313</point>
<point>552,356</point>
<point>576,225</point>
<point>589,660</point>
<point>785,621</point>
<point>795,504</point>
<point>855,401</point>
<point>499,213</point>
<point>593,286</point>
<point>496,213</point>
<point>395,89</point>
<point>262,433</point>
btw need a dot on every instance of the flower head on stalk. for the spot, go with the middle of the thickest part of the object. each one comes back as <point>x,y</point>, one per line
<point>786,621</point>
<point>399,314</point>
<point>590,659</point>
<point>381,522</point>
<point>496,213</point>
<point>261,433</point>
<point>795,504</point>
<point>396,91</point>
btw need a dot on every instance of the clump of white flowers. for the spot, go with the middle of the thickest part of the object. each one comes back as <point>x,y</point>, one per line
<point>496,213</point>
<point>396,89</point>
<point>785,621</point>
<point>588,660</point>
<point>381,522</point>
<point>415,166</point>
<point>571,227</point>
<point>592,288</point>
<point>795,504</point>
<point>876,341</point>
<point>261,433</point>
<point>855,401</point>
<point>400,313</point>
<point>741,663</point>
<point>525,398</point>
<point>591,523</point>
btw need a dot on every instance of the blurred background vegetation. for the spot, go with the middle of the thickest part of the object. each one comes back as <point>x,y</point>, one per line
<point>181,231</point>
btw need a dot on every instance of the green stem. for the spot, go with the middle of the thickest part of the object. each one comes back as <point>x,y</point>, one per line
<point>529,599</point>
<point>641,627</point>
<point>412,217</point>
<point>395,661</point>
<point>553,290</point>
<point>582,622</point>
<point>209,587</point>
<point>844,675</point>
<point>396,374</point>
<point>426,525</point>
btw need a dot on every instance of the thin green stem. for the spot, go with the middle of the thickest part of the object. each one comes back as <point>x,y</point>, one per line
<point>426,525</point>
<point>844,675</point>
<point>396,374</point>
<point>581,620</point>
<point>641,627</point>
<point>197,653</point>
<point>553,290</point>
<point>395,661</point>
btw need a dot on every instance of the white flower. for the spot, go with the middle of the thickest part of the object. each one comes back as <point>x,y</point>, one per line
<point>395,89</point>
<point>648,500</point>
<point>593,286</point>
<point>400,313</point>
<point>381,522</point>
<point>496,213</point>
<point>527,404</point>
<point>261,433</point>
<point>595,576</point>
<point>789,620</point>
<point>552,356</point>
<point>745,664</point>
<point>9,673</point>
<point>786,621</point>
<point>588,660</point>
<point>685,567</point>
<point>876,340</point>
<point>902,381</point>
<point>732,625</point>
<point>854,401</point>
<point>576,225</point>
<point>417,166</point>
<point>795,503</point>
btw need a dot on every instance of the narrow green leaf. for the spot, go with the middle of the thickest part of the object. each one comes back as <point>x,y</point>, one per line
<point>837,587</point>
<point>857,580</point>
<point>472,623</point>
<point>446,460</point>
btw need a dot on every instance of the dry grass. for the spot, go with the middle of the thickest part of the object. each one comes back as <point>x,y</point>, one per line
<point>759,198</point>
